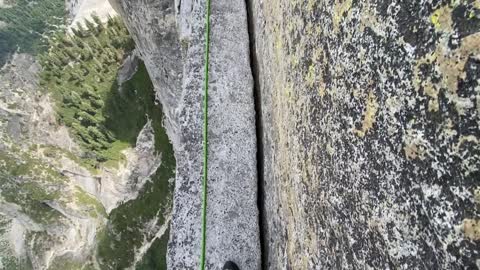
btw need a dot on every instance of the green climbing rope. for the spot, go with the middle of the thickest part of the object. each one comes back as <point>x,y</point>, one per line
<point>205,139</point>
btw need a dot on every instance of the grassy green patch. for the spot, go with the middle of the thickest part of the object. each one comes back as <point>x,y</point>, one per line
<point>56,152</point>
<point>29,183</point>
<point>19,163</point>
<point>84,199</point>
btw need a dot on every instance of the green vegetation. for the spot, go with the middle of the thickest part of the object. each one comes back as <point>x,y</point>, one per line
<point>80,71</point>
<point>126,226</point>
<point>26,22</point>
<point>67,263</point>
<point>56,152</point>
<point>8,260</point>
<point>29,183</point>
<point>155,257</point>
<point>19,163</point>
<point>86,200</point>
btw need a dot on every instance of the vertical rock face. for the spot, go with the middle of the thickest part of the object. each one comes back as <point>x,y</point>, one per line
<point>169,36</point>
<point>370,113</point>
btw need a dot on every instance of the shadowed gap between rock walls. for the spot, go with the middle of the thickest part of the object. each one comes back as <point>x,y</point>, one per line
<point>259,132</point>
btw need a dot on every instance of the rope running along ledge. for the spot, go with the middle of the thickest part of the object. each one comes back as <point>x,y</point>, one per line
<point>205,139</point>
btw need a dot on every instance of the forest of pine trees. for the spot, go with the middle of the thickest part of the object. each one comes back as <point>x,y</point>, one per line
<point>80,71</point>
<point>26,23</point>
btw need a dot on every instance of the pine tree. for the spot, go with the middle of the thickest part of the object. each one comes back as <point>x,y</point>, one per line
<point>97,103</point>
<point>70,53</point>
<point>86,119</point>
<point>99,23</point>
<point>81,30</point>
<point>90,26</point>
<point>76,32</point>
<point>99,136</point>
<point>87,107</point>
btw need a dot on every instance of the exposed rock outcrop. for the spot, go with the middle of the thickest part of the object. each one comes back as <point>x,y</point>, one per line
<point>370,130</point>
<point>169,37</point>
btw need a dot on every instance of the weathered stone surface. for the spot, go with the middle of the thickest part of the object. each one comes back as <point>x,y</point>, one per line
<point>370,113</point>
<point>170,39</point>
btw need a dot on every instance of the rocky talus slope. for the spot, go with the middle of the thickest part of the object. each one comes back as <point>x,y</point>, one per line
<point>169,37</point>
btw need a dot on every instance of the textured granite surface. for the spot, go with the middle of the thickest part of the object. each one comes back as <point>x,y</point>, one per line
<point>169,37</point>
<point>370,114</point>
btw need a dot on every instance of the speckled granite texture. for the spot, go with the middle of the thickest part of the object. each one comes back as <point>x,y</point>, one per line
<point>370,114</point>
<point>170,38</point>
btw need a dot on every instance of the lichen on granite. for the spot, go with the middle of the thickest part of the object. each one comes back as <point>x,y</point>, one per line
<point>370,130</point>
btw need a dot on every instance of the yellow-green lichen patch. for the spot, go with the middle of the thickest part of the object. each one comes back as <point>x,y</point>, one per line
<point>369,116</point>
<point>442,19</point>
<point>449,66</point>
<point>476,195</point>
<point>311,5</point>
<point>464,139</point>
<point>451,63</point>
<point>413,151</point>
<point>311,77</point>
<point>471,229</point>
<point>340,8</point>
<point>368,18</point>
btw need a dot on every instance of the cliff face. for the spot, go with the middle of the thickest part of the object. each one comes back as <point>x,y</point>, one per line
<point>368,122</point>
<point>370,113</point>
<point>170,38</point>
<point>57,211</point>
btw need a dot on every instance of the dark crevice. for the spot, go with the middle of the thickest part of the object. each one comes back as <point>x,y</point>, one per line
<point>259,132</point>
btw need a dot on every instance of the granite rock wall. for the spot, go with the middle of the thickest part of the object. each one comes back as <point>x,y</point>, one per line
<point>369,125</point>
<point>370,114</point>
<point>170,39</point>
